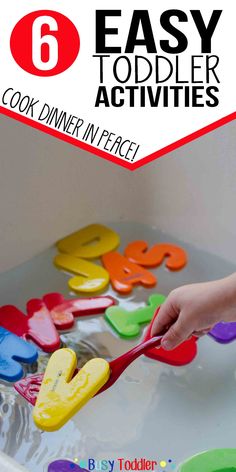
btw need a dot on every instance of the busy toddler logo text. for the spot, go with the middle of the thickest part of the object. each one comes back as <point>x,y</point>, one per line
<point>111,465</point>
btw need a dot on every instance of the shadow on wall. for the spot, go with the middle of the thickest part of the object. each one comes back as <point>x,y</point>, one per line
<point>49,188</point>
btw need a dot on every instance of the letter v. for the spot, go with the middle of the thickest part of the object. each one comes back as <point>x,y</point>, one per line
<point>60,397</point>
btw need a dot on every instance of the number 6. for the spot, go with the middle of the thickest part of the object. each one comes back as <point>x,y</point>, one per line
<point>38,41</point>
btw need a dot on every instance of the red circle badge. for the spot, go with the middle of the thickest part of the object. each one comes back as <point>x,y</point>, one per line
<point>45,43</point>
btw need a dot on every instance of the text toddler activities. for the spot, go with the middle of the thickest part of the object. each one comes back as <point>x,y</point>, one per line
<point>159,64</point>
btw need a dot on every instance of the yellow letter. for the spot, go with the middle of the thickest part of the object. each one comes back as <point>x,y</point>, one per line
<point>90,242</point>
<point>60,397</point>
<point>91,277</point>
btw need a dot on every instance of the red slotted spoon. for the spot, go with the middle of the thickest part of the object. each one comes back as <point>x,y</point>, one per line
<point>30,386</point>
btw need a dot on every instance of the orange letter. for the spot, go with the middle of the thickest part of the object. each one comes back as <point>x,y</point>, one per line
<point>124,274</point>
<point>139,253</point>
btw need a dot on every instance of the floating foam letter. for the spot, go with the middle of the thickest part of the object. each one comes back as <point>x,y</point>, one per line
<point>124,274</point>
<point>62,465</point>
<point>63,311</point>
<point>60,397</point>
<point>224,333</point>
<point>90,277</point>
<point>216,460</point>
<point>139,253</point>
<point>182,355</point>
<point>37,326</point>
<point>90,242</point>
<point>12,351</point>
<point>128,323</point>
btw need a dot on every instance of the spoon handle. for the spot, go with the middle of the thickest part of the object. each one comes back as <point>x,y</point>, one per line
<point>118,365</point>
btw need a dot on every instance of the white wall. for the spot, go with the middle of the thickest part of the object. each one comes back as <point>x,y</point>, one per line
<point>193,192</point>
<point>49,188</point>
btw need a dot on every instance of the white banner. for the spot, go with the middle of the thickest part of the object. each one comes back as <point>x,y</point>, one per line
<point>128,82</point>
